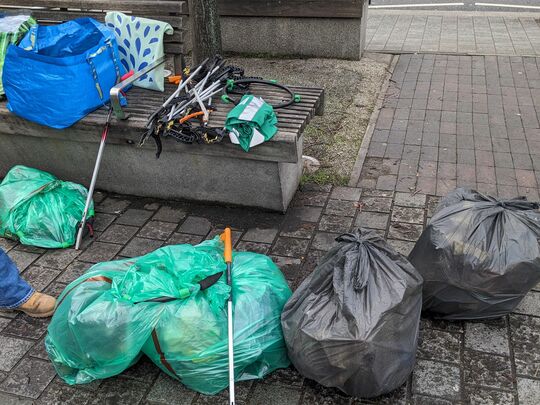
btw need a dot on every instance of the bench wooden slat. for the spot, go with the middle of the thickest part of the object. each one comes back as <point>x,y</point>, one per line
<point>282,148</point>
<point>159,7</point>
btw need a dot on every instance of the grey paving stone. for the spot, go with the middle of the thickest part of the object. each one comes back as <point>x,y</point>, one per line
<point>376,204</point>
<point>410,200</point>
<point>73,271</point>
<point>346,193</point>
<point>439,345</point>
<point>425,400</point>
<point>295,229</point>
<point>401,246</point>
<point>528,391</point>
<point>29,378</point>
<point>118,234</point>
<point>100,252</point>
<point>306,214</point>
<point>102,221</point>
<point>183,238</point>
<point>340,207</point>
<point>3,323</point>
<point>436,379</point>
<point>526,344</point>
<point>280,395</point>
<point>386,182</point>
<point>403,231</point>
<point>134,217</point>
<point>6,399</point>
<point>484,396</point>
<point>152,206</point>
<point>25,326</point>
<point>195,225</point>
<point>290,247</point>
<point>262,235</point>
<point>407,214</point>
<point>335,223</point>
<point>487,370</point>
<point>143,370</point>
<point>12,350</point>
<point>38,350</point>
<point>487,337</point>
<point>169,214</point>
<point>59,393</point>
<point>58,259</point>
<point>312,198</point>
<point>242,390</point>
<point>22,259</point>
<point>317,394</point>
<point>140,247</point>
<point>166,391</point>
<point>55,289</point>
<point>375,220</point>
<point>119,391</point>
<point>255,247</point>
<point>112,205</point>
<point>289,266</point>
<point>40,277</point>
<point>6,244</point>
<point>324,241</point>
<point>287,377</point>
<point>157,230</point>
<point>530,304</point>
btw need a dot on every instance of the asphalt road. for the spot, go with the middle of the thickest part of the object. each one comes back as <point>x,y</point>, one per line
<point>469,5</point>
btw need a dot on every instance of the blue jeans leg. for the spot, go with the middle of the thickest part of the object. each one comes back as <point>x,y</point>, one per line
<point>14,291</point>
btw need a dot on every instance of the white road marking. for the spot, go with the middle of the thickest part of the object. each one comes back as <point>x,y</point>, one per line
<point>507,5</point>
<point>418,5</point>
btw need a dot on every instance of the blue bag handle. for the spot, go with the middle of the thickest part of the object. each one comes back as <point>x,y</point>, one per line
<point>108,46</point>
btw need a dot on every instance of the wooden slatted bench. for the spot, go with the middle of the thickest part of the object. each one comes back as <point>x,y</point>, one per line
<point>266,177</point>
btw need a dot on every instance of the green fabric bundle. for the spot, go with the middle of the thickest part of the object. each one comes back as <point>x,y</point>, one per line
<point>37,209</point>
<point>12,30</point>
<point>251,122</point>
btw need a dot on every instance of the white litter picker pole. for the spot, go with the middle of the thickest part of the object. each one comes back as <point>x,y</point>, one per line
<point>94,178</point>
<point>227,239</point>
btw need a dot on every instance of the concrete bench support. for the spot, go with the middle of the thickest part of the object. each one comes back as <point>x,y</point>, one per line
<point>127,169</point>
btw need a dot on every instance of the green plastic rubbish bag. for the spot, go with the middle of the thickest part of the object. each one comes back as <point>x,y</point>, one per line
<point>106,319</point>
<point>37,209</point>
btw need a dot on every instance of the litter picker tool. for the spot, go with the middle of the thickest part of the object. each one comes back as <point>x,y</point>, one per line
<point>104,135</point>
<point>227,240</point>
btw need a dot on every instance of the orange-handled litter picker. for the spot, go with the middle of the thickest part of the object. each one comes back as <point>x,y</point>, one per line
<point>227,240</point>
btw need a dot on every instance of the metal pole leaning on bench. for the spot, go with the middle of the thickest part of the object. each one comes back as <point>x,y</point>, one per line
<point>94,178</point>
<point>127,77</point>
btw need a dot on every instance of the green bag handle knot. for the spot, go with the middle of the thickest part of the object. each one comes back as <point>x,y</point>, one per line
<point>184,293</point>
<point>226,99</point>
<point>297,98</point>
<point>273,81</point>
<point>230,84</point>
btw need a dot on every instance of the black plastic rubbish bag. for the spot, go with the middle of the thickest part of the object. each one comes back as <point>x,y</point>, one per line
<point>353,323</point>
<point>479,256</point>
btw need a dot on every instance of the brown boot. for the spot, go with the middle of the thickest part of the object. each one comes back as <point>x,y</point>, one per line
<point>39,306</point>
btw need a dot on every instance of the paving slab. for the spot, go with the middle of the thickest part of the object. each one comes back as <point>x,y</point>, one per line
<point>515,34</point>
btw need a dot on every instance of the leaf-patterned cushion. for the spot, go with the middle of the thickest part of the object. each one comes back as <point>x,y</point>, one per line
<point>140,42</point>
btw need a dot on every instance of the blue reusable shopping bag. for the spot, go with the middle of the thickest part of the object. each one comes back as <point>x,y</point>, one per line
<point>58,74</point>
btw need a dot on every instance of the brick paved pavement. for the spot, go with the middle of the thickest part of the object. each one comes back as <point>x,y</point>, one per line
<point>458,120</point>
<point>458,362</point>
<point>444,31</point>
